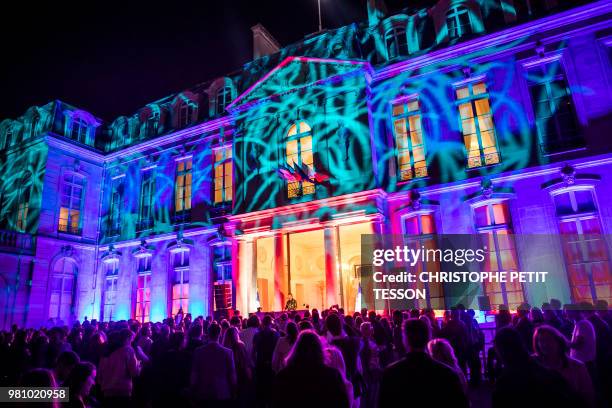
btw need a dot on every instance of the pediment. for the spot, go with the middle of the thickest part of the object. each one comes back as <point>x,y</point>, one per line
<point>295,73</point>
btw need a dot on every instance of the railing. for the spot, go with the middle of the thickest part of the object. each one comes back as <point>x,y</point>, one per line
<point>144,225</point>
<point>13,241</point>
<point>69,229</point>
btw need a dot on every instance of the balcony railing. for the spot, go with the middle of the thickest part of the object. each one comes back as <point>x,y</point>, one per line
<point>69,229</point>
<point>13,241</point>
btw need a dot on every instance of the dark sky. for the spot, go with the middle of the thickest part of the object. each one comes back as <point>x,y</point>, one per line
<point>112,57</point>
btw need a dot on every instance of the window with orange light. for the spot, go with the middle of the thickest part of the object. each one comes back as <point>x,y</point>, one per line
<point>477,124</point>
<point>180,281</point>
<point>71,202</point>
<point>584,247</point>
<point>420,230</point>
<point>494,224</point>
<point>299,155</point>
<point>409,143</point>
<point>143,289</point>
<point>182,189</point>
<point>223,175</point>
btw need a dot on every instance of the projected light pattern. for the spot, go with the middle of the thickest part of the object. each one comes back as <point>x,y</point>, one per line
<point>264,180</point>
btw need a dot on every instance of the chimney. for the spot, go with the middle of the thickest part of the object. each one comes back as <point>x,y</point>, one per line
<point>377,10</point>
<point>263,42</point>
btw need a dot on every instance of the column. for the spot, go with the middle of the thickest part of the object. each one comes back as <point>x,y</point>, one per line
<point>331,265</point>
<point>280,279</point>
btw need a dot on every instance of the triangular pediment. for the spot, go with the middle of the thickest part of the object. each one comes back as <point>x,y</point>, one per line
<point>295,73</point>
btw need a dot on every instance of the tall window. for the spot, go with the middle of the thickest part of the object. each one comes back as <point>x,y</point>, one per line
<point>494,225</point>
<point>110,289</point>
<point>23,205</point>
<point>458,22</point>
<point>143,289</point>
<point>62,290</point>
<point>420,229</point>
<point>71,204</point>
<point>409,140</point>
<point>300,156</point>
<point>554,110</point>
<point>396,42</point>
<point>584,246</point>
<point>182,188</point>
<point>116,205</point>
<point>477,124</point>
<point>224,97</point>
<point>147,194</point>
<point>79,130</point>
<point>222,267</point>
<point>223,175</point>
<point>180,285</point>
<point>186,113</point>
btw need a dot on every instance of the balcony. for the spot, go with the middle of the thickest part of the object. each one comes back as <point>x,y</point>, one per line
<point>16,242</point>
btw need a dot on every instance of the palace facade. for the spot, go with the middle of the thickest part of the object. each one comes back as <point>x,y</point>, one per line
<point>457,117</point>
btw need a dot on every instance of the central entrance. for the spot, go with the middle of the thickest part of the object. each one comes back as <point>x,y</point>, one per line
<point>320,268</point>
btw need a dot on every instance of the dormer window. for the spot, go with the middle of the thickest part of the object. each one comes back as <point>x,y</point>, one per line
<point>152,124</point>
<point>458,22</point>
<point>8,137</point>
<point>186,114</point>
<point>396,42</point>
<point>224,97</point>
<point>79,130</point>
<point>35,121</point>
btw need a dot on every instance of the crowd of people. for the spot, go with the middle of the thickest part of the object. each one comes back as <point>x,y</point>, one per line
<point>551,356</point>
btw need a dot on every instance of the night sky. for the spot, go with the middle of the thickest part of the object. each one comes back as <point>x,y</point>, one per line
<point>111,57</point>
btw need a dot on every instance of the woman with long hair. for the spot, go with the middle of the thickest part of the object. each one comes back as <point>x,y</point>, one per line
<point>80,381</point>
<point>306,368</point>
<point>551,350</point>
<point>442,351</point>
<point>283,346</point>
<point>242,362</point>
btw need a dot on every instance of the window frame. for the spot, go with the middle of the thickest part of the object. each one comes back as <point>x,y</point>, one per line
<point>181,198</point>
<point>299,137</point>
<point>69,228</point>
<point>79,126</point>
<point>186,113</point>
<point>494,229</point>
<point>147,221</point>
<point>472,99</point>
<point>578,218</point>
<point>226,191</point>
<point>179,270</point>
<point>63,276</point>
<point>454,13</point>
<point>410,148</point>
<point>223,97</point>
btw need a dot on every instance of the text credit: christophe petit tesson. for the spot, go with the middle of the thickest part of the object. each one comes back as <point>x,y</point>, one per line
<point>412,257</point>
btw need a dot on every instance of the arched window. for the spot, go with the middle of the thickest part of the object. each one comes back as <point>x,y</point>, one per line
<point>71,203</point>
<point>79,130</point>
<point>224,97</point>
<point>63,282</point>
<point>299,156</point>
<point>396,42</point>
<point>186,114</point>
<point>458,22</point>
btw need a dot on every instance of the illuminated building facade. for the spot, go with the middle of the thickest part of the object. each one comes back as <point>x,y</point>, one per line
<point>461,117</point>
